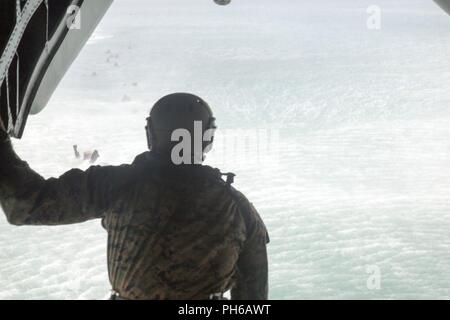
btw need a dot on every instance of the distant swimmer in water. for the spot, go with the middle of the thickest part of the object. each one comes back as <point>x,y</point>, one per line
<point>91,156</point>
<point>75,150</point>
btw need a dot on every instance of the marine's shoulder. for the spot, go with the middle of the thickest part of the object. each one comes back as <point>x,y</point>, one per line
<point>237,195</point>
<point>253,221</point>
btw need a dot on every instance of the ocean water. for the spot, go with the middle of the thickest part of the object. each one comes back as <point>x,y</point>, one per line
<point>346,152</point>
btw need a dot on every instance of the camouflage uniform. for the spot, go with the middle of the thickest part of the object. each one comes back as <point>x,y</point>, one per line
<point>174,232</point>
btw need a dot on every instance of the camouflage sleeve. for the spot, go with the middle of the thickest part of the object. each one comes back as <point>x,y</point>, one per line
<point>29,199</point>
<point>252,274</point>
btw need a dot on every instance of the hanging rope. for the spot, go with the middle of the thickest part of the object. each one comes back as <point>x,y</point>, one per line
<point>18,14</point>
<point>7,89</point>
<point>17,85</point>
<point>8,53</point>
<point>10,124</point>
<point>46,27</point>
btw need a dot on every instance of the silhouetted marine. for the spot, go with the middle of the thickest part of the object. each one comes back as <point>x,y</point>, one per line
<point>174,231</point>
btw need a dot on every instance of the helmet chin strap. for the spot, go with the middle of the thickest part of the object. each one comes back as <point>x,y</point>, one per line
<point>150,135</point>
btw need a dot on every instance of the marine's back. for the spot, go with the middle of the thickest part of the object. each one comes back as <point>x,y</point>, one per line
<point>174,232</point>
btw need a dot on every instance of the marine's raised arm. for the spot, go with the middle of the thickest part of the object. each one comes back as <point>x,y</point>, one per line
<point>29,199</point>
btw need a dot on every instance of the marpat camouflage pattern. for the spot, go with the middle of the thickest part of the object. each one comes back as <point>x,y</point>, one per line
<point>174,232</point>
